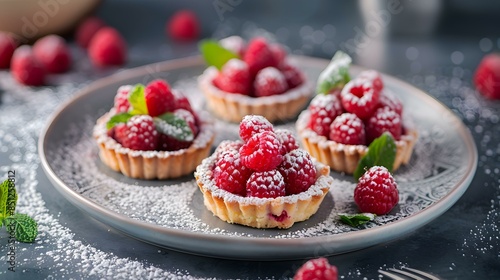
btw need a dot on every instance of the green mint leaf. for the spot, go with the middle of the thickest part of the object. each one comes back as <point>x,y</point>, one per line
<point>137,101</point>
<point>357,219</point>
<point>381,152</point>
<point>336,74</point>
<point>214,54</point>
<point>116,119</point>
<point>8,199</point>
<point>23,227</point>
<point>174,126</point>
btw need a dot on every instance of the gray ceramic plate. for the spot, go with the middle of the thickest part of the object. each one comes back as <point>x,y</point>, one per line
<point>171,213</point>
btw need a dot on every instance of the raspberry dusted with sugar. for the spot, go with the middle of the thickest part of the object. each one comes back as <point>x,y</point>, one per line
<point>121,102</point>
<point>258,55</point>
<point>138,134</point>
<point>235,44</point>
<point>266,184</point>
<point>360,97</point>
<point>324,108</point>
<point>234,77</point>
<point>107,47</point>
<point>228,145</point>
<point>25,68</point>
<point>388,99</point>
<point>316,269</point>
<point>376,192</point>
<point>7,47</point>
<point>230,174</point>
<point>159,98</point>
<point>269,81</point>
<point>261,152</point>
<point>279,54</point>
<point>252,124</point>
<point>292,75</point>
<point>53,53</point>
<point>183,26</point>
<point>348,129</point>
<point>384,120</point>
<point>374,77</point>
<point>298,170</point>
<point>288,141</point>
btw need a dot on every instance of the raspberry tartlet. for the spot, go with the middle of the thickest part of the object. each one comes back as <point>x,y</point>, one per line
<point>263,180</point>
<point>257,78</point>
<point>347,115</point>
<point>153,133</point>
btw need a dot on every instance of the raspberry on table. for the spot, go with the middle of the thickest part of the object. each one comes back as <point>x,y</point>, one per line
<point>138,134</point>
<point>253,124</point>
<point>53,53</point>
<point>288,141</point>
<point>7,47</point>
<point>360,97</point>
<point>348,129</point>
<point>107,48</point>
<point>265,184</point>
<point>316,269</point>
<point>234,77</point>
<point>235,44</point>
<point>25,68</point>
<point>298,170</point>
<point>183,26</point>
<point>269,81</point>
<point>376,191</point>
<point>384,120</point>
<point>230,174</point>
<point>159,98</point>
<point>258,55</point>
<point>121,103</point>
<point>324,108</point>
<point>487,76</point>
<point>388,99</point>
<point>261,152</point>
<point>86,31</point>
<point>292,75</point>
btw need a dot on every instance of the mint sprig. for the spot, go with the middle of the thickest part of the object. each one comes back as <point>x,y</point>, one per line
<point>118,118</point>
<point>214,54</point>
<point>336,74</point>
<point>381,152</point>
<point>22,226</point>
<point>357,219</point>
<point>137,100</point>
<point>173,126</point>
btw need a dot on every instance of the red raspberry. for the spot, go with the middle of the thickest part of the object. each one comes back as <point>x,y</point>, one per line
<point>266,184</point>
<point>230,174</point>
<point>298,170</point>
<point>119,132</point>
<point>53,53</point>
<point>87,29</point>
<point>269,81</point>
<point>168,143</point>
<point>324,108</point>
<point>122,104</point>
<point>258,55</point>
<point>360,97</point>
<point>107,47</point>
<point>7,47</point>
<point>288,141</point>
<point>292,75</point>
<point>181,101</point>
<point>139,134</point>
<point>25,68</point>
<point>316,269</point>
<point>384,119</point>
<point>159,98</point>
<point>234,77</point>
<point>376,192</point>
<point>236,44</point>
<point>387,99</point>
<point>374,77</point>
<point>348,129</point>
<point>228,145</point>
<point>253,124</point>
<point>183,26</point>
<point>261,152</point>
<point>487,76</point>
<point>279,54</point>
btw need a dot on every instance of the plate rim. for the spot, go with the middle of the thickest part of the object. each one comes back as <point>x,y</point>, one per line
<point>283,248</point>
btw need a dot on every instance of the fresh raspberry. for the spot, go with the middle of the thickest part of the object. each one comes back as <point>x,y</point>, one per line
<point>229,174</point>
<point>487,76</point>
<point>252,124</point>
<point>374,77</point>
<point>183,26</point>
<point>25,68</point>
<point>228,145</point>
<point>182,102</point>
<point>53,53</point>
<point>269,81</point>
<point>324,108</point>
<point>258,55</point>
<point>7,47</point>
<point>348,129</point>
<point>388,99</point>
<point>159,98</point>
<point>383,120</point>
<point>316,269</point>
<point>87,29</point>
<point>119,132</point>
<point>234,77</point>
<point>261,152</point>
<point>122,104</point>
<point>288,141</point>
<point>360,97</point>
<point>298,170</point>
<point>266,184</point>
<point>107,47</point>
<point>292,75</point>
<point>168,143</point>
<point>279,54</point>
<point>236,44</point>
<point>376,192</point>
<point>139,134</point>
